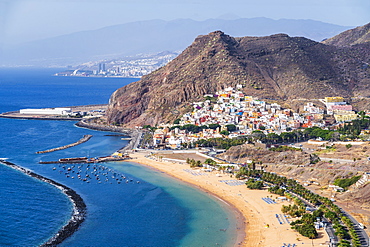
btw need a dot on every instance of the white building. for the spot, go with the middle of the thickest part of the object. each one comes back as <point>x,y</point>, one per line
<point>46,111</point>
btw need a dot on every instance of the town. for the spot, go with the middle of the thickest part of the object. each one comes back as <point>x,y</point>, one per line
<point>230,113</point>
<point>127,67</point>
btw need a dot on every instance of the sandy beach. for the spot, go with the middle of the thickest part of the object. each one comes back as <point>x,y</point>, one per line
<point>260,223</point>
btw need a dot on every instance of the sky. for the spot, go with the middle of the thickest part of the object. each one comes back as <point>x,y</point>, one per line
<point>27,20</point>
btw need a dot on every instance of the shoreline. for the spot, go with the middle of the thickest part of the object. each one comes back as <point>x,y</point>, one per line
<point>18,115</point>
<point>240,219</point>
<point>84,124</point>
<point>79,206</point>
<point>40,118</point>
<point>252,214</point>
<point>256,221</point>
<point>134,134</point>
<point>239,216</point>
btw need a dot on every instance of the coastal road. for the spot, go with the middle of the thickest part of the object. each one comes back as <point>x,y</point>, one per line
<point>136,136</point>
<point>336,160</point>
<point>364,238</point>
<point>328,228</point>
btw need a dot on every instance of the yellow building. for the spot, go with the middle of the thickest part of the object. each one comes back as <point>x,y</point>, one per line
<point>248,98</point>
<point>346,117</point>
<point>333,99</point>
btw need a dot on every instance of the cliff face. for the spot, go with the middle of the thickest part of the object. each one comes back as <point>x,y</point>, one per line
<point>275,67</point>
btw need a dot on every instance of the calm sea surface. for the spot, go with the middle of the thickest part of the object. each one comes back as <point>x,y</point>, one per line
<point>128,205</point>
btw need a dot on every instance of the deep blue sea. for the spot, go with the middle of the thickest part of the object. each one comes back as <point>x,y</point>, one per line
<point>146,208</point>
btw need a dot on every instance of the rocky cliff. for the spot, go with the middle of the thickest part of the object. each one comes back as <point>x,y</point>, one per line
<point>276,67</point>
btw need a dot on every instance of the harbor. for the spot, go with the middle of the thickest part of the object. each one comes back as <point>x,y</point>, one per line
<point>75,160</point>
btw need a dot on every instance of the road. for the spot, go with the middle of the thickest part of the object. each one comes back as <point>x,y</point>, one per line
<point>328,228</point>
<point>364,238</point>
<point>337,160</point>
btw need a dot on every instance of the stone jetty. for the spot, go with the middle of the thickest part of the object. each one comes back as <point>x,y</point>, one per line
<point>85,138</point>
<point>135,134</point>
<point>79,206</point>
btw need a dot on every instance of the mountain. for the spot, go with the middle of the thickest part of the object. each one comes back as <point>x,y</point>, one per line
<point>358,35</point>
<point>276,67</point>
<point>152,37</point>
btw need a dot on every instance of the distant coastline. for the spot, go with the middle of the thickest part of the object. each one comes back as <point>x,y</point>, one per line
<point>97,76</point>
<point>79,206</point>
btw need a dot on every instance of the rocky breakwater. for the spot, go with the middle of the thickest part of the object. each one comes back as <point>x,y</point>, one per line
<point>90,124</point>
<point>135,134</point>
<point>79,206</point>
<point>85,138</point>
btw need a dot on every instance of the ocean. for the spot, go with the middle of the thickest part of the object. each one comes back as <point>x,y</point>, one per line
<point>128,205</point>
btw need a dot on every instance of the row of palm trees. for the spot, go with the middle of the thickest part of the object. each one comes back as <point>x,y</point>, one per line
<point>343,226</point>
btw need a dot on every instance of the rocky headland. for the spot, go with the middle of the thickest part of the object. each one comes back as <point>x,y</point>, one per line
<point>275,68</point>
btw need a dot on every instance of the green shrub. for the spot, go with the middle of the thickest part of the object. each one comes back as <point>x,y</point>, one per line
<point>346,182</point>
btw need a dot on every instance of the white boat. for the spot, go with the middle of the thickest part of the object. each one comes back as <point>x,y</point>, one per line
<point>3,158</point>
<point>126,138</point>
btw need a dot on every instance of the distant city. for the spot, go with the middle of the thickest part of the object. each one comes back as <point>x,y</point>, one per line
<point>129,67</point>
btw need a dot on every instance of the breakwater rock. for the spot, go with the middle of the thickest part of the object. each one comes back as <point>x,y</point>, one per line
<point>135,134</point>
<point>89,125</point>
<point>79,206</point>
<point>85,138</point>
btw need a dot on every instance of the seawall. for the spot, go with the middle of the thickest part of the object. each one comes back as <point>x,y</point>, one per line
<point>86,123</point>
<point>79,206</point>
<point>85,138</point>
<point>133,133</point>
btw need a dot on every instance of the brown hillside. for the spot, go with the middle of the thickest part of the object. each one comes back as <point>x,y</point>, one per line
<point>243,153</point>
<point>358,35</point>
<point>275,67</point>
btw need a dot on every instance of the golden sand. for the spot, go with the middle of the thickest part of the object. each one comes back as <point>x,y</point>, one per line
<point>253,213</point>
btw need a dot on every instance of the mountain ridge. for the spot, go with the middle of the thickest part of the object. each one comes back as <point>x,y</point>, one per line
<point>355,36</point>
<point>152,37</point>
<point>276,67</point>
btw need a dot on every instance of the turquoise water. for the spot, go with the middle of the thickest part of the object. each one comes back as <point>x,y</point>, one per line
<point>157,211</point>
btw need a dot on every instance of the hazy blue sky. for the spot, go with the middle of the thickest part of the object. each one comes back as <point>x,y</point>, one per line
<point>24,20</point>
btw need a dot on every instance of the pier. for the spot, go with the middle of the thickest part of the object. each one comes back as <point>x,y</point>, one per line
<point>85,138</point>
